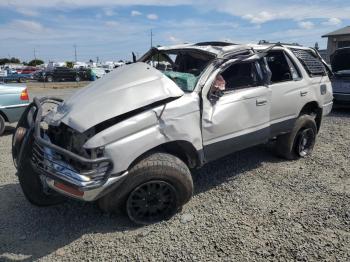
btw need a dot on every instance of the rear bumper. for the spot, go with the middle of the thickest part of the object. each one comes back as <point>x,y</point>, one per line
<point>327,108</point>
<point>66,172</point>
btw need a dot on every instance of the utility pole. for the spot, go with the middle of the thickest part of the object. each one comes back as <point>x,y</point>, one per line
<point>34,57</point>
<point>151,38</point>
<point>75,52</point>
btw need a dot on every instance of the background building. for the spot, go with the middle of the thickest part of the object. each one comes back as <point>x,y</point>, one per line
<point>337,39</point>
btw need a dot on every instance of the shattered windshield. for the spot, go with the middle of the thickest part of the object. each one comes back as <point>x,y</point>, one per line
<point>184,67</point>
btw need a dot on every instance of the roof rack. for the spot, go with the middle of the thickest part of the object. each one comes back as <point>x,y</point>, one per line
<point>214,43</point>
<point>264,42</point>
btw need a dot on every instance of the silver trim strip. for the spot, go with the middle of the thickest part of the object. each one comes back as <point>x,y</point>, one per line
<point>14,106</point>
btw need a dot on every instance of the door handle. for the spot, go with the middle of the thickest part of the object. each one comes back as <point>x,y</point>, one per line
<point>303,93</point>
<point>261,102</point>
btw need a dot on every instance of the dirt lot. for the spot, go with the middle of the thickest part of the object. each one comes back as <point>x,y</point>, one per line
<point>248,206</point>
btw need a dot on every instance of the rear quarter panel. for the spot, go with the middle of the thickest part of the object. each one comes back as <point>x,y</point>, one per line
<point>10,103</point>
<point>312,87</point>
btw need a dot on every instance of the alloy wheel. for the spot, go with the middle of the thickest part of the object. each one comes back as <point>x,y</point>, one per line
<point>305,142</point>
<point>152,202</point>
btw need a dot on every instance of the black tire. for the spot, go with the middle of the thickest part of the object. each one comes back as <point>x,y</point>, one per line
<point>295,145</point>
<point>49,79</point>
<point>31,184</point>
<point>2,125</point>
<point>162,172</point>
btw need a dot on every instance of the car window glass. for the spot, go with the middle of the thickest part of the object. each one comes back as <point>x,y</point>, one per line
<point>311,62</point>
<point>181,66</point>
<point>279,66</point>
<point>239,76</point>
<point>295,73</point>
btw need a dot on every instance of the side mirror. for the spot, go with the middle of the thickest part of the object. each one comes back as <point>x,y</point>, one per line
<point>215,96</point>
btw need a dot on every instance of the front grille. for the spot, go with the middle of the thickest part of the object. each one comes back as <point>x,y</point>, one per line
<point>57,162</point>
<point>81,174</point>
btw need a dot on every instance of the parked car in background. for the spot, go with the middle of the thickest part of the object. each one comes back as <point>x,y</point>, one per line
<point>130,139</point>
<point>13,101</point>
<point>13,76</point>
<point>64,74</point>
<point>98,71</point>
<point>28,70</point>
<point>340,62</point>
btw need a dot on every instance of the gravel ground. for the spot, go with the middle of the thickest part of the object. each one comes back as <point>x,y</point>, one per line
<point>248,206</point>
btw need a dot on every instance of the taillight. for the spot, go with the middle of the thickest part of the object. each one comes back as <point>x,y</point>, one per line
<point>24,95</point>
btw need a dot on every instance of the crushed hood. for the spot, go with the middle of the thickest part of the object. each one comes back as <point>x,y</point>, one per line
<point>340,60</point>
<point>123,90</point>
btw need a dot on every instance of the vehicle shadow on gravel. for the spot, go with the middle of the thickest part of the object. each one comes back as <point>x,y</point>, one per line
<point>28,233</point>
<point>9,130</point>
<point>231,166</point>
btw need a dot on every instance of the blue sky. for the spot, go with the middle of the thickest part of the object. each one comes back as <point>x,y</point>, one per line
<point>112,29</point>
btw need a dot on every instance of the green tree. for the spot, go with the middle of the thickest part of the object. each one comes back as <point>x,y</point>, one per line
<point>11,60</point>
<point>35,62</point>
<point>4,61</point>
<point>15,60</point>
<point>317,46</point>
<point>69,64</point>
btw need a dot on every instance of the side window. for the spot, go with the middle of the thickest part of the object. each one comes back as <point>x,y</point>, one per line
<point>282,67</point>
<point>293,69</point>
<point>312,64</point>
<point>239,76</point>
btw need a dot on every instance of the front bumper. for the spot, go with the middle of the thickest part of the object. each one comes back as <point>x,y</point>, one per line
<point>66,172</point>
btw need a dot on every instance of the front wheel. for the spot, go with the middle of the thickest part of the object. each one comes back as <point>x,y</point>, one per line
<point>49,79</point>
<point>2,125</point>
<point>301,141</point>
<point>156,188</point>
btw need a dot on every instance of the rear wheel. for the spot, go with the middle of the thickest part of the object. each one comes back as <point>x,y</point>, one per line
<point>2,125</point>
<point>156,188</point>
<point>301,141</point>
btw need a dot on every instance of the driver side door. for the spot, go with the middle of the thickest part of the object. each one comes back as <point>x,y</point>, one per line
<point>240,116</point>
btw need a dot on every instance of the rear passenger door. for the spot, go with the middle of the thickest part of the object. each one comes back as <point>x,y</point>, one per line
<point>239,117</point>
<point>287,85</point>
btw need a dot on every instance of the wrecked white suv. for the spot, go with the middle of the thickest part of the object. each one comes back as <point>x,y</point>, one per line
<point>130,139</point>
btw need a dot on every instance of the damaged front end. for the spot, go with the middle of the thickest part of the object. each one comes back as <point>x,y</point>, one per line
<point>60,160</point>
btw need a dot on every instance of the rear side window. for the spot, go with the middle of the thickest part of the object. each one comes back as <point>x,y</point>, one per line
<point>282,68</point>
<point>312,64</point>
